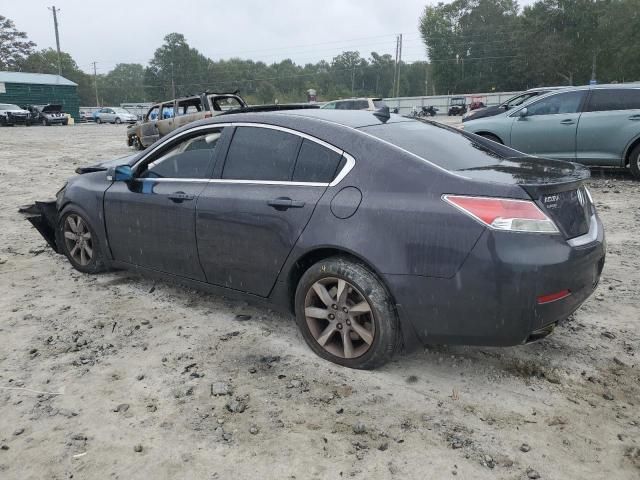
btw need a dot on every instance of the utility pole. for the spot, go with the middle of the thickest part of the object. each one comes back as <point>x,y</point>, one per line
<point>399,65</point>
<point>353,78</point>
<point>593,70</point>
<point>55,25</point>
<point>95,81</point>
<point>395,67</point>
<point>173,84</point>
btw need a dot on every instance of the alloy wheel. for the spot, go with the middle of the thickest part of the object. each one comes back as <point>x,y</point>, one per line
<point>77,238</point>
<point>339,318</point>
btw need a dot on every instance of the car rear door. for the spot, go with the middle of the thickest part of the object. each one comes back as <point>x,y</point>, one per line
<point>250,217</point>
<point>166,119</point>
<point>150,221</point>
<point>549,128</point>
<point>610,121</point>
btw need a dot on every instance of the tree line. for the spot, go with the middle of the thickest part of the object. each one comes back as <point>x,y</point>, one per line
<point>472,46</point>
<point>487,45</point>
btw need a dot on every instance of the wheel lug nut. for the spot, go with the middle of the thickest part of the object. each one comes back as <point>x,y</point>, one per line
<point>334,306</point>
<point>331,316</point>
<point>345,309</point>
<point>339,326</point>
<point>348,322</point>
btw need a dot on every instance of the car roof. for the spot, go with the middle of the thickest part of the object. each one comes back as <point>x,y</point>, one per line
<point>348,118</point>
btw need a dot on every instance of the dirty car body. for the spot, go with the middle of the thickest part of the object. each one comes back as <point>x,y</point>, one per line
<point>471,242</point>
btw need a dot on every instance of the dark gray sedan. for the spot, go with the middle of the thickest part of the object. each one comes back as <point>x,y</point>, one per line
<point>377,231</point>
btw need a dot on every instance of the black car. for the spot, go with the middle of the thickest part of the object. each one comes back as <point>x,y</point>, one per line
<point>46,115</point>
<point>377,231</point>
<point>507,105</point>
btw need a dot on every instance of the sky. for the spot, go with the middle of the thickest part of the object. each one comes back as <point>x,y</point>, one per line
<point>118,31</point>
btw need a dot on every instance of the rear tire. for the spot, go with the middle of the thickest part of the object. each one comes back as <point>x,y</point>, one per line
<point>491,137</point>
<point>118,121</point>
<point>78,241</point>
<point>634,162</point>
<point>356,325</point>
<point>98,121</point>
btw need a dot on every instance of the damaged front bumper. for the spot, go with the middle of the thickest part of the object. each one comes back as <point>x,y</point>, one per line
<point>44,217</point>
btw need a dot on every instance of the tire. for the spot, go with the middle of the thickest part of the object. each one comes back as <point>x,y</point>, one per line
<point>491,137</point>
<point>634,162</point>
<point>118,121</point>
<point>80,259</point>
<point>365,302</point>
<point>45,123</point>
<point>137,144</point>
<point>98,121</point>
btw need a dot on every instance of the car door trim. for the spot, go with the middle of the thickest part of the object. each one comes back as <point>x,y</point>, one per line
<point>350,162</point>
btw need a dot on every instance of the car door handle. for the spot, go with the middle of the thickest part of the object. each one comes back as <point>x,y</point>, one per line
<point>568,121</point>
<point>284,203</point>
<point>634,117</point>
<point>179,197</point>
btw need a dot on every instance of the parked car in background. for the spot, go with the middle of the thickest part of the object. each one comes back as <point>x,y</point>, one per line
<point>594,125</point>
<point>477,103</point>
<point>369,104</point>
<point>457,106</point>
<point>46,115</point>
<point>12,114</point>
<point>507,105</point>
<point>165,117</point>
<point>376,231</point>
<point>86,116</point>
<point>114,115</point>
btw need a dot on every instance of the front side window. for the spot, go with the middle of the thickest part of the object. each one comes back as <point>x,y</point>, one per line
<point>568,102</point>
<point>153,113</point>
<point>330,106</point>
<point>316,163</point>
<point>261,154</point>
<point>614,99</point>
<point>519,100</point>
<point>191,158</point>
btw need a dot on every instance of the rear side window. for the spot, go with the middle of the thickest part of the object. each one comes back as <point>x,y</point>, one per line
<point>261,154</point>
<point>316,163</point>
<point>360,105</point>
<point>614,99</point>
<point>191,105</point>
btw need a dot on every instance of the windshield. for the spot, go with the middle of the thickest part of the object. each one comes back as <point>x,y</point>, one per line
<point>121,110</point>
<point>519,100</point>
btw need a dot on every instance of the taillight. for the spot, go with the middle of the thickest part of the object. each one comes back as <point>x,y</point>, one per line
<point>504,213</point>
<point>208,115</point>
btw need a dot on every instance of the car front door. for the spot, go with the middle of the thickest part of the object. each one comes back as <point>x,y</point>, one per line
<point>150,220</point>
<point>250,217</point>
<point>148,129</point>
<point>107,115</point>
<point>549,127</point>
<point>166,119</point>
<point>610,121</point>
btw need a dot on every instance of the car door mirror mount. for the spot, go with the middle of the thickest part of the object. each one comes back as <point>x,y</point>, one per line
<point>523,112</point>
<point>121,173</point>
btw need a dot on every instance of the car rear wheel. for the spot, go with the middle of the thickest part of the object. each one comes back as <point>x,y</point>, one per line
<point>346,315</point>
<point>118,121</point>
<point>79,242</point>
<point>98,121</point>
<point>634,162</point>
<point>491,137</point>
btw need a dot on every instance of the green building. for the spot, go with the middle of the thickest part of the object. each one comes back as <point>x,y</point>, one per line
<point>23,89</point>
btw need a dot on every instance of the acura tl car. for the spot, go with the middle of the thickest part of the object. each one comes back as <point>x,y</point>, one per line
<point>377,231</point>
<point>593,125</point>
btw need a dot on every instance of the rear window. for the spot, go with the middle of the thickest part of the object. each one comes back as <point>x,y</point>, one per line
<point>444,146</point>
<point>614,99</point>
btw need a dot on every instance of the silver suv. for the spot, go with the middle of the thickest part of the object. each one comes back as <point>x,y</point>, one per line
<point>370,104</point>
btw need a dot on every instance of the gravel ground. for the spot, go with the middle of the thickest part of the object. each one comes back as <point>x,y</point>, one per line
<point>117,376</point>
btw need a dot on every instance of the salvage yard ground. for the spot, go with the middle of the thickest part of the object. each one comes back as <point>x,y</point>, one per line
<point>117,376</point>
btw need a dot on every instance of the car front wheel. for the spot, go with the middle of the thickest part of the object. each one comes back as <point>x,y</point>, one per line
<point>79,242</point>
<point>118,121</point>
<point>346,315</point>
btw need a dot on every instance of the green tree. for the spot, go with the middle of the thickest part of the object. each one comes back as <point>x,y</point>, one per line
<point>46,61</point>
<point>125,83</point>
<point>14,46</point>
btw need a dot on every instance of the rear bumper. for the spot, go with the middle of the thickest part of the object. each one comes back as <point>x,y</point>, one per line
<point>492,300</point>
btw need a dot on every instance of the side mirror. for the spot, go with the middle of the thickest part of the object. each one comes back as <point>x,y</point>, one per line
<point>121,173</point>
<point>523,113</point>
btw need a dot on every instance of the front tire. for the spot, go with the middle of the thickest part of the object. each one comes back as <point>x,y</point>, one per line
<point>118,121</point>
<point>78,241</point>
<point>346,315</point>
<point>98,121</point>
<point>634,162</point>
<point>45,123</point>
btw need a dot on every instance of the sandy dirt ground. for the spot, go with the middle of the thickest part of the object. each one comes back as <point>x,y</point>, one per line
<point>117,376</point>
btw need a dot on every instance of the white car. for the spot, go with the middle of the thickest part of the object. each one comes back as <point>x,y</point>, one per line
<point>114,115</point>
<point>11,114</point>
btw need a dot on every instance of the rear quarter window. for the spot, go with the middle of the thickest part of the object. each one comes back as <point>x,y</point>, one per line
<point>446,147</point>
<point>614,99</point>
<point>316,163</point>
